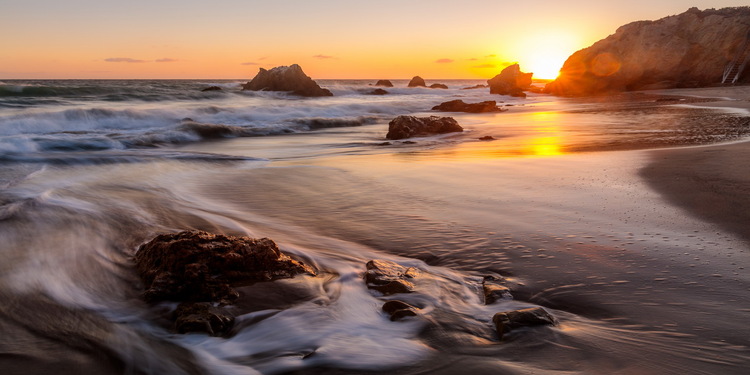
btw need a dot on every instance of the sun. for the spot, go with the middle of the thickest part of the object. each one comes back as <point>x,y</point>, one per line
<point>544,54</point>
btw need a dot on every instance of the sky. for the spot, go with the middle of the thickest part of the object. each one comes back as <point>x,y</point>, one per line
<point>330,39</point>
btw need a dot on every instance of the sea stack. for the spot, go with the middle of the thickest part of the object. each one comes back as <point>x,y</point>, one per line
<point>511,81</point>
<point>691,49</point>
<point>286,78</point>
<point>417,81</point>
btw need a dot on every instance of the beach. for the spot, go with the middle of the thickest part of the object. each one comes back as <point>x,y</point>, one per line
<point>624,217</point>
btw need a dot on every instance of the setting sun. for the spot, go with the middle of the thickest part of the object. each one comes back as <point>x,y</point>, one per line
<point>544,54</point>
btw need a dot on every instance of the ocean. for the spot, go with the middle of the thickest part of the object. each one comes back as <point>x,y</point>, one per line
<point>553,204</point>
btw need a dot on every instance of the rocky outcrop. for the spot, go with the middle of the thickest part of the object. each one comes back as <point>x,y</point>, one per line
<point>459,105</point>
<point>384,83</point>
<point>389,277</point>
<point>438,86</point>
<point>417,81</point>
<point>409,126</point>
<point>202,270</point>
<point>286,78</point>
<point>687,50</point>
<point>511,81</point>
<point>508,320</point>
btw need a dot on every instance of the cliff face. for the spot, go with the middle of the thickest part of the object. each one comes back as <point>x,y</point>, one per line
<point>687,50</point>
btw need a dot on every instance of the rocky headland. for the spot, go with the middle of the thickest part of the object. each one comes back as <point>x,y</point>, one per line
<point>691,49</point>
<point>511,81</point>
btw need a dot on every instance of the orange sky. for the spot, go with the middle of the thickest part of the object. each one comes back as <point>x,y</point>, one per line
<point>328,38</point>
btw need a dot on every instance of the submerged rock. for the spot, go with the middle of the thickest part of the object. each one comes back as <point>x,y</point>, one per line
<point>389,277</point>
<point>509,320</point>
<point>475,87</point>
<point>202,317</point>
<point>384,83</point>
<point>459,105</point>
<point>487,138</point>
<point>686,50</point>
<point>212,88</point>
<point>286,78</point>
<point>511,81</point>
<point>438,86</point>
<point>398,310</point>
<point>409,126</point>
<point>417,81</point>
<point>200,266</point>
<point>378,92</point>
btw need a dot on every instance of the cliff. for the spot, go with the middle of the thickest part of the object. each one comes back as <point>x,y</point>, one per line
<point>691,49</point>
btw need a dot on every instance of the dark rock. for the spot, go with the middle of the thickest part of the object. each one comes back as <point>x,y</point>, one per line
<point>493,291</point>
<point>384,83</point>
<point>210,130</point>
<point>388,277</point>
<point>690,49</point>
<point>487,138</point>
<point>408,143</point>
<point>286,78</point>
<point>398,310</point>
<point>199,266</point>
<point>378,92</point>
<point>383,144</point>
<point>475,87</point>
<point>202,317</point>
<point>212,88</point>
<point>409,126</point>
<point>511,81</point>
<point>509,320</point>
<point>417,81</point>
<point>438,86</point>
<point>458,105</point>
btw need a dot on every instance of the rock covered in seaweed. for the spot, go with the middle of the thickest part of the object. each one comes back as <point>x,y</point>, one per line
<point>200,266</point>
<point>410,126</point>
<point>690,49</point>
<point>511,81</point>
<point>286,78</point>
<point>417,81</point>
<point>459,105</point>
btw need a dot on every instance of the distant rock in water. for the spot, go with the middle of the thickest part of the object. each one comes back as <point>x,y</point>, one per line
<point>212,88</point>
<point>409,126</point>
<point>378,92</point>
<point>511,81</point>
<point>438,86</point>
<point>384,83</point>
<point>286,78</point>
<point>417,81</point>
<point>508,320</point>
<point>691,49</point>
<point>459,105</point>
<point>475,87</point>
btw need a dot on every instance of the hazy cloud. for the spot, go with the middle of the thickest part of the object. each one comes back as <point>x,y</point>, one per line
<point>444,61</point>
<point>323,57</point>
<point>472,59</point>
<point>167,59</point>
<point>124,59</point>
<point>482,66</point>
<point>493,55</point>
<point>249,63</point>
<point>263,58</point>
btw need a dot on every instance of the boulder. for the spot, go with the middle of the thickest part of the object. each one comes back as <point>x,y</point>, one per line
<point>389,277</point>
<point>487,138</point>
<point>212,88</point>
<point>384,83</point>
<point>691,49</point>
<point>378,92</point>
<point>511,81</point>
<point>398,310</point>
<point>459,105</point>
<point>492,290</point>
<point>197,266</point>
<point>417,81</point>
<point>286,78</point>
<point>509,320</point>
<point>438,86</point>
<point>410,126</point>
